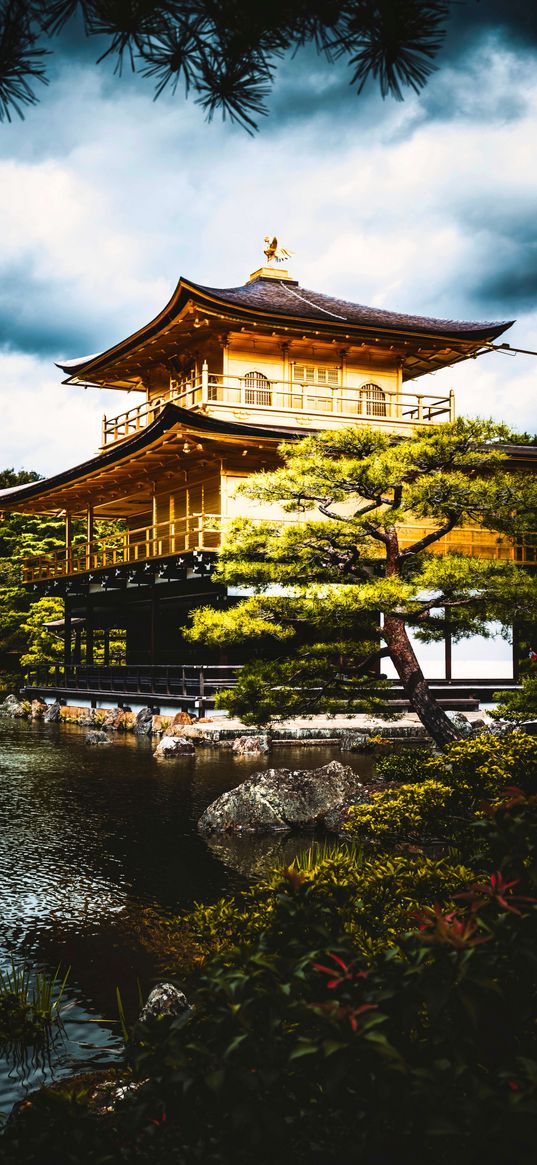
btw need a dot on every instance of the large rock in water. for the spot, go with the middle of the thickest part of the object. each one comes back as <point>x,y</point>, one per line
<point>279,800</point>
<point>173,746</point>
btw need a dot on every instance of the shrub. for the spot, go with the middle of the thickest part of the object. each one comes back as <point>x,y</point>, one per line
<point>519,705</point>
<point>300,1048</point>
<point>451,794</point>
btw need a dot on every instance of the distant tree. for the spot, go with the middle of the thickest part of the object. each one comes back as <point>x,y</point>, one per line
<point>24,640</point>
<point>327,572</point>
<point>225,51</point>
<point>21,535</point>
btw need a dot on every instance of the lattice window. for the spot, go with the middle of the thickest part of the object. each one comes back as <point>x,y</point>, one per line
<point>375,400</point>
<point>258,390</point>
<point>316,374</point>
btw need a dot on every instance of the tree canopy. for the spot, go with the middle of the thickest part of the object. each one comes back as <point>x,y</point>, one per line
<point>349,553</point>
<point>224,51</point>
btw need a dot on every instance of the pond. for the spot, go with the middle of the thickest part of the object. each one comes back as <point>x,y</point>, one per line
<point>94,842</point>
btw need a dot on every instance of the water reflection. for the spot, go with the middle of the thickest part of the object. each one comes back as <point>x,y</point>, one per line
<point>91,839</point>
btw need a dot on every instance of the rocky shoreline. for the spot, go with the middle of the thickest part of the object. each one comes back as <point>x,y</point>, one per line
<point>181,735</point>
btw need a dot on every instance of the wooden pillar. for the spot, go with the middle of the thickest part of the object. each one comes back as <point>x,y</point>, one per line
<point>107,647</point>
<point>153,626</point>
<point>516,653</point>
<point>77,645</point>
<point>67,637</point>
<point>89,634</point>
<point>447,650</point>
<point>68,542</point>
<point>90,535</point>
<point>154,517</point>
<point>204,382</point>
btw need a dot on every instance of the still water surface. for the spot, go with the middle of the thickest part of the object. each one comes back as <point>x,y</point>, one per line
<point>91,841</point>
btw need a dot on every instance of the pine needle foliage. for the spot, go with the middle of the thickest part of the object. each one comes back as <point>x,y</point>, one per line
<point>226,51</point>
<point>323,578</point>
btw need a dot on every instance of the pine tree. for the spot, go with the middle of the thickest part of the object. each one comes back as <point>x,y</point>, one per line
<point>342,559</point>
<point>225,51</point>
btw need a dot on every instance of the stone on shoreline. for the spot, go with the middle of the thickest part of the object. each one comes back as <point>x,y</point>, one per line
<point>251,745</point>
<point>354,742</point>
<point>164,999</point>
<point>13,707</point>
<point>170,746</point>
<point>143,725</point>
<point>51,715</point>
<point>279,800</point>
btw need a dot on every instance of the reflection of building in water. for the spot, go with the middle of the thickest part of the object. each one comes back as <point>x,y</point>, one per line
<point>222,376</point>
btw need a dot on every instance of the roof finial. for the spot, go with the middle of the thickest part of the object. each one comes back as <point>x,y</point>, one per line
<point>275,252</point>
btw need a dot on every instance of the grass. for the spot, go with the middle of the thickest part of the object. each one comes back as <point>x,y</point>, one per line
<point>30,1005</point>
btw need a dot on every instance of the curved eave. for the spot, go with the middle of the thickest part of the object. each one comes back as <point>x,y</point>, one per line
<point>187,423</point>
<point>208,299</point>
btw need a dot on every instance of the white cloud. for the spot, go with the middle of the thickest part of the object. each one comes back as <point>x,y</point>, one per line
<point>105,198</point>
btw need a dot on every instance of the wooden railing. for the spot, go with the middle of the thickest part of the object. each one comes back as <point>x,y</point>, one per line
<point>189,681</point>
<point>287,397</point>
<point>476,542</point>
<point>196,532</point>
<point>202,531</point>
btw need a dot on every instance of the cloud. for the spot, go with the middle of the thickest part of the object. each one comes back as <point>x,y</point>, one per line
<point>106,198</point>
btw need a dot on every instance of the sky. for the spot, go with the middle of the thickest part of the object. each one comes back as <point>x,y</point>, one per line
<point>427,206</point>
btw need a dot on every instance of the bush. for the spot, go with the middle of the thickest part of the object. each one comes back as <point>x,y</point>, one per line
<point>454,787</point>
<point>300,1048</point>
<point>520,705</point>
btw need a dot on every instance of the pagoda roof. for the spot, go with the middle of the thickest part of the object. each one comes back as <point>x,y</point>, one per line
<point>135,458</point>
<point>282,302</point>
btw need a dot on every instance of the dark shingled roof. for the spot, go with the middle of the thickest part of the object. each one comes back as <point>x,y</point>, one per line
<point>276,298</point>
<point>286,297</point>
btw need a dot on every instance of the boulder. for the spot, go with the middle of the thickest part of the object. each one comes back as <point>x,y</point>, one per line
<point>97,738</point>
<point>459,721</point>
<point>164,999</point>
<point>251,745</point>
<point>37,708</point>
<point>173,746</point>
<point>86,718</point>
<point>354,742</point>
<point>180,721</point>
<point>51,715</point>
<point>13,707</point>
<point>114,720</point>
<point>143,725</point>
<point>279,800</point>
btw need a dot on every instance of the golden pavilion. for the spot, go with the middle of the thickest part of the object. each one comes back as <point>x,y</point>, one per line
<point>220,377</point>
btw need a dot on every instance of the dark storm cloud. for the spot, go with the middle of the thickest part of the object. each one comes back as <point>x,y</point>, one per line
<point>33,318</point>
<point>505,268</point>
<point>515,20</point>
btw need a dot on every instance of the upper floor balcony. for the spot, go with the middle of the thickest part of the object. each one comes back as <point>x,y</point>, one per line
<point>203,532</point>
<point>254,399</point>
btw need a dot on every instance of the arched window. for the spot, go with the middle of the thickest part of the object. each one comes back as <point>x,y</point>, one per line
<point>375,400</point>
<point>257,389</point>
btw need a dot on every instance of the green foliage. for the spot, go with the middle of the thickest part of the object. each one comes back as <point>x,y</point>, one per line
<point>404,765</point>
<point>308,1043</point>
<point>24,642</point>
<point>350,491</point>
<point>319,677</point>
<point>369,900</point>
<point>451,791</point>
<point>226,54</point>
<point>521,705</point>
<point>43,646</point>
<point>30,1004</point>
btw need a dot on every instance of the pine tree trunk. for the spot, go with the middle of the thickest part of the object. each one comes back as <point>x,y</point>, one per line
<point>416,688</point>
